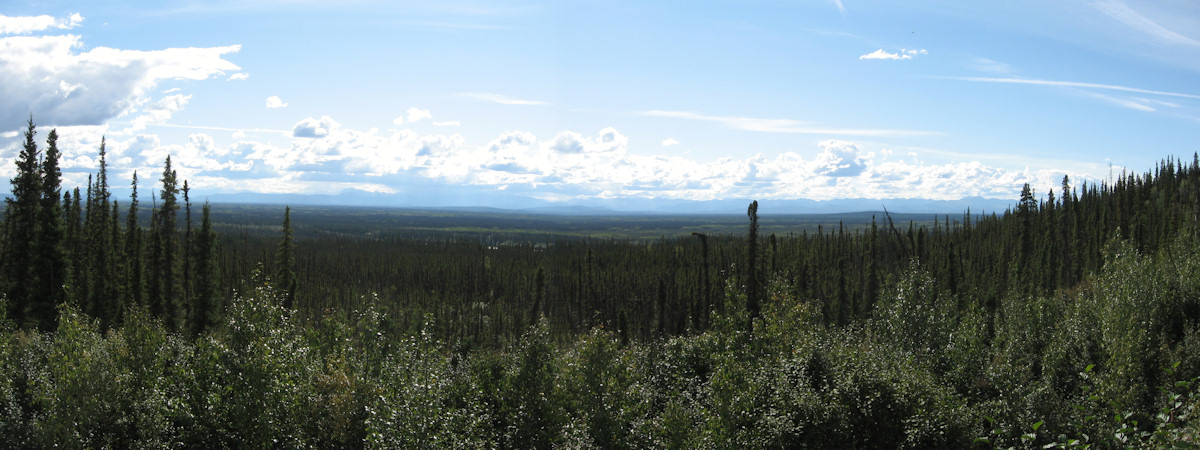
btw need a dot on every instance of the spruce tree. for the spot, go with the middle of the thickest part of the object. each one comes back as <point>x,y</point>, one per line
<point>285,261</point>
<point>188,276</point>
<point>100,280</point>
<point>206,306</point>
<point>75,250</point>
<point>135,284</point>
<point>21,225</point>
<point>752,289</point>
<point>165,271</point>
<point>116,305</point>
<point>50,259</point>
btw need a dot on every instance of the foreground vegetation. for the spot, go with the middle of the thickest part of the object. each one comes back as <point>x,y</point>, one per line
<point>1109,364</point>
<point>1070,321</point>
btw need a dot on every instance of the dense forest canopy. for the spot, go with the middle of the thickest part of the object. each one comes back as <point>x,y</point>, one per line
<point>1070,319</point>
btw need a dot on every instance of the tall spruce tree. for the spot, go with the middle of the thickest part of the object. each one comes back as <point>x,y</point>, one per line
<point>101,292</point>
<point>135,283</point>
<point>50,260</point>
<point>206,306</point>
<point>116,305</point>
<point>752,288</point>
<point>21,226</point>
<point>187,277</point>
<point>165,286</point>
<point>76,282</point>
<point>285,261</point>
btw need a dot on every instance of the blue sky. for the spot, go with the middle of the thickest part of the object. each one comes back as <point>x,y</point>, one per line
<point>588,101</point>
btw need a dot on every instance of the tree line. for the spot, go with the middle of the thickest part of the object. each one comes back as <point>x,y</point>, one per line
<point>63,246</point>
<point>1070,320</point>
<point>70,246</point>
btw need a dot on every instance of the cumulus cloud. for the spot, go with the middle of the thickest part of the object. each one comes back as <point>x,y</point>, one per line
<point>239,76</point>
<point>65,86</point>
<point>314,128</point>
<point>839,159</point>
<point>275,102</point>
<point>903,54</point>
<point>416,114</point>
<point>669,142</point>
<point>31,24</point>
<point>326,157</point>
<point>160,110</point>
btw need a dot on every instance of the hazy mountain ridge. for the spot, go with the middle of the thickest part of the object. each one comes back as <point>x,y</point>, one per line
<point>501,202</point>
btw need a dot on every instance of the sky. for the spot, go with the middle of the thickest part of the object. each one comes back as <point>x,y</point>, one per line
<point>434,103</point>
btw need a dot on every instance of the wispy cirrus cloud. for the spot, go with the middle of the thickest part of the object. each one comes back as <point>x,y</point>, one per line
<point>783,125</point>
<point>1075,84</point>
<point>982,64</point>
<point>501,99</point>
<point>1123,13</point>
<point>903,54</point>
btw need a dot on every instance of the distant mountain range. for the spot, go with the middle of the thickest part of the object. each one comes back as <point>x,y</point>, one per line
<point>502,202</point>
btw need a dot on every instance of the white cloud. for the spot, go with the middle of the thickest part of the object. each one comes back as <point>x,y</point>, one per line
<point>669,142</point>
<point>903,54</point>
<point>1120,11</point>
<point>160,111</point>
<point>324,157</point>
<point>1075,84</point>
<point>30,24</point>
<point>314,128</point>
<point>982,64</point>
<point>239,76</point>
<point>275,102</point>
<point>839,159</point>
<point>782,125</point>
<point>501,99</point>
<point>64,86</point>
<point>416,114</point>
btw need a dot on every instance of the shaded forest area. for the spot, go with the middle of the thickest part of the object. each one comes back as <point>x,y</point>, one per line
<point>1069,320</point>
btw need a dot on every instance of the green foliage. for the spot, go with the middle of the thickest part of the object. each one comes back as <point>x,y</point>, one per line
<point>1064,323</point>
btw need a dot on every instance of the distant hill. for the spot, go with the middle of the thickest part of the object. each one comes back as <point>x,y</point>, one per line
<point>625,206</point>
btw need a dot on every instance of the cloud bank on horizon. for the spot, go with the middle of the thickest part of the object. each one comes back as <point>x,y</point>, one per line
<point>150,103</point>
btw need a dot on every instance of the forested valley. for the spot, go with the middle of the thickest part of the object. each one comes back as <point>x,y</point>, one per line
<point>1070,320</point>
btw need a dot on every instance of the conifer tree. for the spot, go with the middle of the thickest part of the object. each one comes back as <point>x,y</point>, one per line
<point>50,261</point>
<point>100,294</point>
<point>187,277</point>
<point>165,286</point>
<point>206,305</point>
<point>752,289</point>
<point>115,307</point>
<point>21,226</point>
<point>76,282</point>
<point>285,261</point>
<point>135,284</point>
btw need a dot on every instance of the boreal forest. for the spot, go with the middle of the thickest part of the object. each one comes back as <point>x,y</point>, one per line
<point>1069,320</point>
